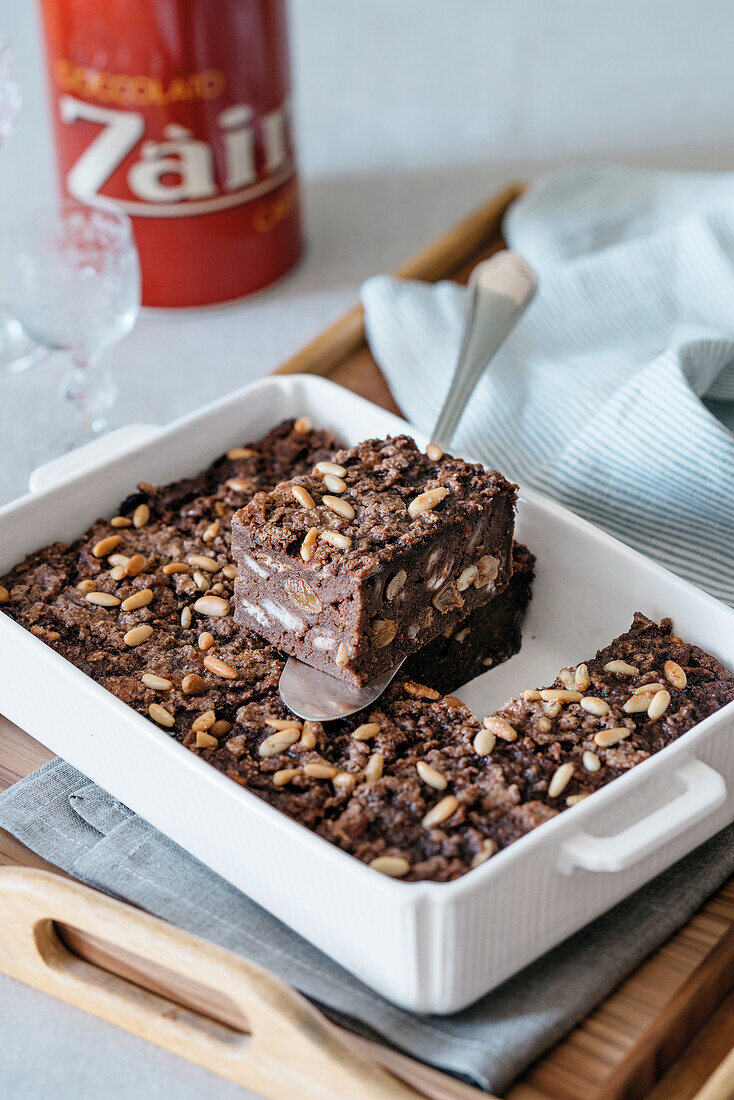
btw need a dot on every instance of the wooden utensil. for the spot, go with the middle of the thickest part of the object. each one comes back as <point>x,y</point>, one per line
<point>284,1048</point>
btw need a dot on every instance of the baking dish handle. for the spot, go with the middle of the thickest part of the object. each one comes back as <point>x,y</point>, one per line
<point>284,1047</point>
<point>110,445</point>
<point>704,791</point>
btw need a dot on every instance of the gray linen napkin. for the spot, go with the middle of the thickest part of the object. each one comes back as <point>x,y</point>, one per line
<point>76,825</point>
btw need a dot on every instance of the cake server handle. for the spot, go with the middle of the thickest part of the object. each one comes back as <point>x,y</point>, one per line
<point>277,1043</point>
<point>500,290</point>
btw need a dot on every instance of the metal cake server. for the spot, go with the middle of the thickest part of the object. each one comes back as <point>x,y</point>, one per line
<point>500,290</point>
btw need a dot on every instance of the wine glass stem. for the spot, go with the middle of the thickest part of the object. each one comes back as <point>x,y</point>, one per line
<point>89,390</point>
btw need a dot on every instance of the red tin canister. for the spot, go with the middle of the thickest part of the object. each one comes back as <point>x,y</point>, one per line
<point>179,112</point>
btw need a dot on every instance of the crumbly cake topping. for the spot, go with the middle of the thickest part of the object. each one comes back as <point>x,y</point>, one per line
<point>351,512</point>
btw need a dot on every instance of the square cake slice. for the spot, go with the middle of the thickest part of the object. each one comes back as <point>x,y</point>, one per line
<point>372,555</point>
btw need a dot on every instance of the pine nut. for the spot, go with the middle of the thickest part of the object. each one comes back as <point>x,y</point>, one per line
<point>105,546</point>
<point>156,683</point>
<point>239,485</point>
<point>637,704</point>
<point>303,496</point>
<point>567,678</point>
<point>484,742</point>
<point>283,723</point>
<point>329,468</point>
<point>201,582</point>
<point>606,738</point>
<point>552,694</point>
<point>366,731</point>
<point>574,799</point>
<point>394,586</point>
<point>308,735</point>
<point>86,585</point>
<point>320,771</point>
<point>135,565</point>
<point>592,763</point>
<point>426,502</point>
<point>441,811</point>
<point>203,561</point>
<point>193,684</point>
<point>220,727</point>
<point>648,689</point>
<point>186,618</point>
<point>675,675</point>
<point>341,507</point>
<point>118,559</point>
<point>345,781</point>
<point>500,728</point>
<point>284,775</point>
<point>117,573</point>
<point>335,484</point>
<point>485,852</point>
<point>308,543</point>
<point>212,605</point>
<point>141,515</point>
<point>279,742</point>
<point>374,766</point>
<point>240,452</point>
<point>335,538</point>
<point>175,567</point>
<point>532,695</point>
<point>658,705</point>
<point>622,668</point>
<point>420,691</point>
<point>160,715</point>
<point>121,521</point>
<point>581,677</point>
<point>141,598</point>
<point>592,705</point>
<point>138,634</point>
<point>434,453</point>
<point>392,866</point>
<point>561,778</point>
<point>342,655</point>
<point>206,740</point>
<point>211,532</point>
<point>431,776</point>
<point>204,721</point>
<point>220,668</point>
<point>103,599</point>
<point>303,425</point>
<point>206,640</point>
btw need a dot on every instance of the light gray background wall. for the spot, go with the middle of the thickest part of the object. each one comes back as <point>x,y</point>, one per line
<point>409,112</point>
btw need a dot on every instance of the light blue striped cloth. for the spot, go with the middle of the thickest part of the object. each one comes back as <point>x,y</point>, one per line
<point>603,397</point>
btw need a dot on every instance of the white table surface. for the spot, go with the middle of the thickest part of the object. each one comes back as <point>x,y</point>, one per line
<point>409,113</point>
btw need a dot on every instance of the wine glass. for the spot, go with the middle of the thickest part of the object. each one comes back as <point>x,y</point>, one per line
<point>17,352</point>
<point>74,283</point>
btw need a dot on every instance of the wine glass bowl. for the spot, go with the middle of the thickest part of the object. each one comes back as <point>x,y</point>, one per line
<point>74,284</point>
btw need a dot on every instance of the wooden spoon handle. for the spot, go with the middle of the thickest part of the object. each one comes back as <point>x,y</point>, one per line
<point>290,1050</point>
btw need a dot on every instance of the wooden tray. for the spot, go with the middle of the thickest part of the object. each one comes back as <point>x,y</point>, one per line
<point>681,997</point>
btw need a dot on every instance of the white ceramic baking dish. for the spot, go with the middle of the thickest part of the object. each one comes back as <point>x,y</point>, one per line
<point>427,946</point>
